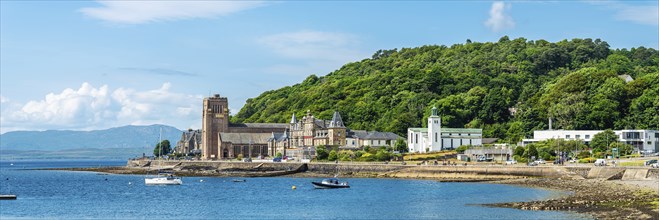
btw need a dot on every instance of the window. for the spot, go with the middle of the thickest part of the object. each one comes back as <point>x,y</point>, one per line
<point>587,136</point>
<point>435,136</point>
<point>578,136</point>
<point>416,137</point>
<point>567,136</point>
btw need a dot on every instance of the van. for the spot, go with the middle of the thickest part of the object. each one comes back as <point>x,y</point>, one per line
<point>600,162</point>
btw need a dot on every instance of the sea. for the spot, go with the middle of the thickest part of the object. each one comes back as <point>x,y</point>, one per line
<point>55,194</point>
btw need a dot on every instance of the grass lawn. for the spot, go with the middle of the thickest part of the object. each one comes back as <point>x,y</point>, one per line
<point>430,156</point>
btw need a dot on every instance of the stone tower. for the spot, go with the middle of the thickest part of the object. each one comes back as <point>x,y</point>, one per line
<point>215,119</point>
<point>434,131</point>
<point>336,131</point>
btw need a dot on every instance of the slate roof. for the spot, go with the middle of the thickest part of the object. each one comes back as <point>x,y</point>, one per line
<point>373,135</point>
<point>260,125</point>
<point>245,138</point>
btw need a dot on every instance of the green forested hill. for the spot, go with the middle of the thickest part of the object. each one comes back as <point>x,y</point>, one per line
<point>478,85</point>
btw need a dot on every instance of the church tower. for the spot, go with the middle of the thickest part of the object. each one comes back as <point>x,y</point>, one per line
<point>434,131</point>
<point>215,119</point>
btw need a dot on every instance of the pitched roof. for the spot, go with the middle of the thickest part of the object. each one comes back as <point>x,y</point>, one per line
<point>260,125</point>
<point>336,121</point>
<point>245,138</point>
<point>373,135</point>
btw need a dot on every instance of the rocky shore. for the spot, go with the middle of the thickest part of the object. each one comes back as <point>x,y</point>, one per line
<point>600,198</point>
<point>603,199</point>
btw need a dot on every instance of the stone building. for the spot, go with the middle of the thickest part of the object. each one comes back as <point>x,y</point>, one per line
<point>311,131</point>
<point>361,138</point>
<point>190,142</point>
<point>219,135</point>
<point>436,138</point>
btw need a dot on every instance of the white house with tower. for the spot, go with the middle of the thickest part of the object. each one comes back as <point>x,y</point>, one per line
<point>436,138</point>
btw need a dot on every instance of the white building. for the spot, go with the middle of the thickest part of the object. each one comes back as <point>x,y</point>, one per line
<point>643,140</point>
<point>436,138</point>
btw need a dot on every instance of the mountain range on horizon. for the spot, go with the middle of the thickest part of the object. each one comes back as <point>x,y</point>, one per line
<point>124,137</point>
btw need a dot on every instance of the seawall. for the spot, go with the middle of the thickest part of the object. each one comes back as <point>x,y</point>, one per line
<point>448,173</point>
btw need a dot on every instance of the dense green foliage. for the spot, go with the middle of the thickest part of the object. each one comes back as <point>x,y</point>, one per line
<point>509,88</point>
<point>162,148</point>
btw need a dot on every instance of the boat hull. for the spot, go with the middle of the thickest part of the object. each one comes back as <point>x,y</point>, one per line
<point>320,185</point>
<point>7,197</point>
<point>163,181</point>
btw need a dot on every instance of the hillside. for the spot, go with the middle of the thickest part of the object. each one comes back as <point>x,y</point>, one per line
<point>134,137</point>
<point>508,88</point>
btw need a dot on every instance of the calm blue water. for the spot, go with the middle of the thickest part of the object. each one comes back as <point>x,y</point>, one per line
<point>75,195</point>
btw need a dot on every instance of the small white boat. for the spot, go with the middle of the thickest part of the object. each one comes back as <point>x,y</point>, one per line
<point>163,180</point>
<point>8,197</point>
<point>331,183</point>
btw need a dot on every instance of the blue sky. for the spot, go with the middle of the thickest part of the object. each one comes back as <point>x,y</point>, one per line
<point>84,65</point>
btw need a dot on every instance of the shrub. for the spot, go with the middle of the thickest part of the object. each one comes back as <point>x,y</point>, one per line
<point>583,154</point>
<point>461,149</point>
<point>367,157</point>
<point>332,156</point>
<point>240,157</point>
<point>587,160</point>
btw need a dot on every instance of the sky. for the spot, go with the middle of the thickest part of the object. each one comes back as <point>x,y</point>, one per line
<point>89,65</point>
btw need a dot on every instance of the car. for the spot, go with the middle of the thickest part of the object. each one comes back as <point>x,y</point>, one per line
<point>247,159</point>
<point>511,162</point>
<point>532,163</point>
<point>650,162</point>
<point>276,159</point>
<point>540,161</point>
<point>600,162</point>
<point>655,165</point>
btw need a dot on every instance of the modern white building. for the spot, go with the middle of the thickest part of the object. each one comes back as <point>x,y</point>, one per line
<point>436,138</point>
<point>641,140</point>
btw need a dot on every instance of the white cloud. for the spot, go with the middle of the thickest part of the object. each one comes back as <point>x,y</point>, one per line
<point>3,99</point>
<point>138,12</point>
<point>639,14</point>
<point>320,51</point>
<point>90,108</point>
<point>642,13</point>
<point>499,18</point>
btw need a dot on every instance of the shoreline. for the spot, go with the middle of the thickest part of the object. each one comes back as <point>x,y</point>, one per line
<point>599,198</point>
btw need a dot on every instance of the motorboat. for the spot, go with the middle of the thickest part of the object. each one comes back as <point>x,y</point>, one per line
<point>331,183</point>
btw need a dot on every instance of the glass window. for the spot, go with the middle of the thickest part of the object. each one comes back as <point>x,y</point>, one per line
<point>567,136</point>
<point>587,136</point>
<point>577,136</point>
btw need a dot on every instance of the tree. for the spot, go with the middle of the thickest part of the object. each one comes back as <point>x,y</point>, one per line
<point>401,145</point>
<point>530,151</point>
<point>601,141</point>
<point>278,155</point>
<point>332,155</point>
<point>519,150</point>
<point>162,148</point>
<point>321,153</point>
<point>462,149</point>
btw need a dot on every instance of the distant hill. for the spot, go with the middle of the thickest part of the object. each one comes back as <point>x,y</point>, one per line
<point>126,137</point>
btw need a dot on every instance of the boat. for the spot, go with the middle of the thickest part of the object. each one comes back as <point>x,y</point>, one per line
<point>331,183</point>
<point>8,197</point>
<point>163,178</point>
<point>238,180</point>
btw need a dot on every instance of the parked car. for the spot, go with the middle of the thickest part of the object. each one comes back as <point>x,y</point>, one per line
<point>600,162</point>
<point>276,159</point>
<point>650,162</point>
<point>540,161</point>
<point>655,165</point>
<point>532,163</point>
<point>511,162</point>
<point>247,159</point>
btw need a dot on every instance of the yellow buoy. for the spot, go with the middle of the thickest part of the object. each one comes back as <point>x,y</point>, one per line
<point>294,187</point>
